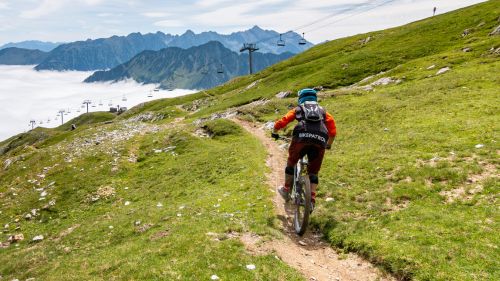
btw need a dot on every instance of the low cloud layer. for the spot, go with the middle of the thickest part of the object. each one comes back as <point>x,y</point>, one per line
<point>26,94</point>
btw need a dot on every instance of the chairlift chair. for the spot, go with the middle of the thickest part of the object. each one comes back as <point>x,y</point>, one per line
<point>220,70</point>
<point>124,98</point>
<point>110,103</point>
<point>78,110</point>
<point>150,95</point>
<point>156,89</point>
<point>281,42</point>
<point>302,40</point>
<point>100,103</point>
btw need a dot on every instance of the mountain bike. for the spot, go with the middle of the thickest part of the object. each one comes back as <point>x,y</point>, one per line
<point>300,196</point>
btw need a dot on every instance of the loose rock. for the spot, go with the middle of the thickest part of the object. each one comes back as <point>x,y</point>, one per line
<point>38,238</point>
<point>250,266</point>
<point>443,70</point>
<point>282,95</point>
<point>16,238</point>
<point>495,31</point>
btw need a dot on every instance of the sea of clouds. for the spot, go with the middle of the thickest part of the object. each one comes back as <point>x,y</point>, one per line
<point>26,94</point>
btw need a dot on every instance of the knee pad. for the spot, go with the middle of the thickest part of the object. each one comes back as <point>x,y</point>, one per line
<point>314,179</point>
<point>289,170</point>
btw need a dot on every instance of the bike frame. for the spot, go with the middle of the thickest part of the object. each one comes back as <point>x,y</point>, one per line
<point>301,194</point>
<point>299,169</point>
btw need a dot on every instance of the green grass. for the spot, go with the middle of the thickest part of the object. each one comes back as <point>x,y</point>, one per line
<point>222,191</point>
<point>400,149</point>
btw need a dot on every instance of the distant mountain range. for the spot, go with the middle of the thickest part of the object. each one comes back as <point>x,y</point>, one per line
<point>106,53</point>
<point>17,56</point>
<point>266,39</point>
<point>193,68</point>
<point>32,45</point>
<point>101,53</point>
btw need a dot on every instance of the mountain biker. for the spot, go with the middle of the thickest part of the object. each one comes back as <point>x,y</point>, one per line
<point>314,132</point>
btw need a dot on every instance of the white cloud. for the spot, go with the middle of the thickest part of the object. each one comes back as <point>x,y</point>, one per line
<point>93,2</point>
<point>4,5</point>
<point>169,23</point>
<point>104,15</point>
<point>112,21</point>
<point>155,14</point>
<point>45,8</point>
<point>211,3</point>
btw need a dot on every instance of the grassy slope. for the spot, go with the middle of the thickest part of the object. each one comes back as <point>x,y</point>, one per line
<point>387,190</point>
<point>190,183</point>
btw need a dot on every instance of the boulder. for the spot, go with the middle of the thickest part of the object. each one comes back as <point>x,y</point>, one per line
<point>366,40</point>
<point>384,81</point>
<point>495,31</point>
<point>443,70</point>
<point>16,238</point>
<point>38,238</point>
<point>7,163</point>
<point>282,95</point>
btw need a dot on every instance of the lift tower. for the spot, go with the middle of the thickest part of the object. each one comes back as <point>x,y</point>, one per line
<point>250,47</point>
<point>87,102</point>
<point>62,111</point>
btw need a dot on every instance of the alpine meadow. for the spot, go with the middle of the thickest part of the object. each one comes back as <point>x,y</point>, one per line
<point>168,189</point>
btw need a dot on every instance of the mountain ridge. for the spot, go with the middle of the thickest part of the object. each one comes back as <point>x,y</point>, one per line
<point>193,68</point>
<point>19,56</point>
<point>106,53</point>
<point>33,45</point>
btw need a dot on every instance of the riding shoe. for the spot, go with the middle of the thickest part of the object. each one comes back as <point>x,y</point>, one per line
<point>284,192</point>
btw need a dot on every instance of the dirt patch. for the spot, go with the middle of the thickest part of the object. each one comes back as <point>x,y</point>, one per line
<point>143,228</point>
<point>473,185</point>
<point>310,255</point>
<point>159,235</point>
<point>66,232</point>
<point>392,207</point>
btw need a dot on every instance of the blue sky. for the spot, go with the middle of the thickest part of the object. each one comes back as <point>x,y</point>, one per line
<point>70,20</point>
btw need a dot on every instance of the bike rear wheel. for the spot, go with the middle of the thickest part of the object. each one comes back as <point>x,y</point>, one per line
<point>303,205</point>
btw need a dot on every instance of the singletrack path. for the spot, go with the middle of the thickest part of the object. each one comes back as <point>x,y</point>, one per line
<point>310,255</point>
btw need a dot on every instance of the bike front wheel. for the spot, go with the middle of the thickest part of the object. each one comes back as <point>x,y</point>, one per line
<point>302,205</point>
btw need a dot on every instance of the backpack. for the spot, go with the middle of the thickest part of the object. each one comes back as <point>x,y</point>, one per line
<point>312,111</point>
<point>311,127</point>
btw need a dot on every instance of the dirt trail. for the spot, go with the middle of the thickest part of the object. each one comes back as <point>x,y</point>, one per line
<point>314,258</point>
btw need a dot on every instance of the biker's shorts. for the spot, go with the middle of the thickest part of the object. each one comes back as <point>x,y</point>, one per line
<point>314,152</point>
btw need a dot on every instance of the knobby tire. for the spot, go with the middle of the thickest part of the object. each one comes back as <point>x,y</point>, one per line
<point>302,211</point>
